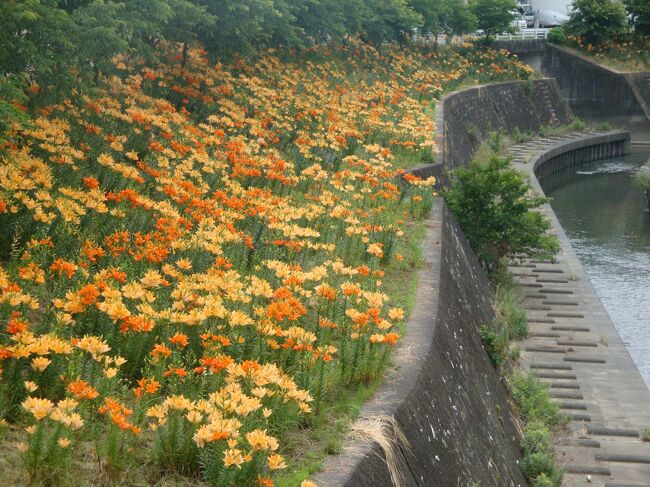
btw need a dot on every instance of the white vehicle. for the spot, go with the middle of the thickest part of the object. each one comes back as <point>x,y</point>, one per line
<point>562,7</point>
<point>519,22</point>
<point>528,13</point>
<point>549,18</point>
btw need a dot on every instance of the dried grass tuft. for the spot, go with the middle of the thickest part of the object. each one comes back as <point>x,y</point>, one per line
<point>387,433</point>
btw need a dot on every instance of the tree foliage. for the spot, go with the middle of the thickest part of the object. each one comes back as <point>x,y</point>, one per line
<point>494,16</point>
<point>596,21</point>
<point>457,18</point>
<point>496,214</point>
<point>639,11</point>
<point>53,45</point>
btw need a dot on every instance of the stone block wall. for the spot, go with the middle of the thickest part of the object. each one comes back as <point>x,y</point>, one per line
<point>467,116</point>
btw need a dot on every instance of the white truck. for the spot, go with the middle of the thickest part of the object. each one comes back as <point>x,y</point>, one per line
<point>545,13</point>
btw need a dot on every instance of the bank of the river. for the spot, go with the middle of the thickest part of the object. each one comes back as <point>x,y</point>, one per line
<point>605,218</point>
<point>575,348</point>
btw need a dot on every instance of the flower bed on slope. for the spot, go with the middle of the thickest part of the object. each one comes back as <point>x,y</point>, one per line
<point>193,258</point>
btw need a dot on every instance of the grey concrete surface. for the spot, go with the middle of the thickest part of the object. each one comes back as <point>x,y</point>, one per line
<point>576,349</point>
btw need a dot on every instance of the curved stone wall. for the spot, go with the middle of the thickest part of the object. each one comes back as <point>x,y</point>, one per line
<point>469,115</point>
<point>589,148</point>
<point>465,117</point>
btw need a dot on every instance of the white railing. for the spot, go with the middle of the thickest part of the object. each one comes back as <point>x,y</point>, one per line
<point>524,34</point>
<point>442,39</point>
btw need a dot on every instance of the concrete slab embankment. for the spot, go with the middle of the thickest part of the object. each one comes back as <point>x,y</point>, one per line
<point>574,347</point>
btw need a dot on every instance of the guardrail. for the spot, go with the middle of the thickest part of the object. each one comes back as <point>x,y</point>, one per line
<point>524,34</point>
<point>443,39</point>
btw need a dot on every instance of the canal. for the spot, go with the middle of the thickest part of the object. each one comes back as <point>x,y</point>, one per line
<point>605,217</point>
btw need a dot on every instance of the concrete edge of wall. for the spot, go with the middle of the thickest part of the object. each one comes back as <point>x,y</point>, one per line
<point>591,147</point>
<point>443,138</point>
<point>594,89</point>
<point>442,394</point>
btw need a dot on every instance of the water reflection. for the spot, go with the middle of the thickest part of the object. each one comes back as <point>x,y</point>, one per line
<point>606,219</point>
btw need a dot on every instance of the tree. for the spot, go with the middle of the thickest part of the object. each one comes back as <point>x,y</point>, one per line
<point>98,35</point>
<point>457,19</point>
<point>596,21</point>
<point>495,211</point>
<point>639,11</point>
<point>388,20</point>
<point>431,13</point>
<point>494,16</point>
<point>35,44</point>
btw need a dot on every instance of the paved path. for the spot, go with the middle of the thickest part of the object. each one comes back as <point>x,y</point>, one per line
<point>574,348</point>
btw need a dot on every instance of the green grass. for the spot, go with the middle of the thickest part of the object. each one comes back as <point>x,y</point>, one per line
<point>629,55</point>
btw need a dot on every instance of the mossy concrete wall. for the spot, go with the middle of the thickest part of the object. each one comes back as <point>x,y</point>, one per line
<point>464,118</point>
<point>593,90</point>
<point>468,116</point>
<point>443,393</point>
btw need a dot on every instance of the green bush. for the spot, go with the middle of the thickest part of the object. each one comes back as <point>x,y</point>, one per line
<point>532,399</point>
<point>510,311</point>
<point>596,21</point>
<point>494,209</point>
<point>540,415</point>
<point>556,36</point>
<point>495,342</point>
<point>642,179</point>
<point>540,468</point>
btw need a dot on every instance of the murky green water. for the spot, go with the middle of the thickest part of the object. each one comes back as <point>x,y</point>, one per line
<point>606,219</point>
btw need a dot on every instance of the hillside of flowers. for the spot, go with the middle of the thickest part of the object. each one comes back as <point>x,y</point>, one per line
<point>192,255</point>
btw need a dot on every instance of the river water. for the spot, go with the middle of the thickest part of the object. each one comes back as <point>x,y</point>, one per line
<point>606,219</point>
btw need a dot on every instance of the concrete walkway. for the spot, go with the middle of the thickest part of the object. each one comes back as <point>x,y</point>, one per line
<point>575,349</point>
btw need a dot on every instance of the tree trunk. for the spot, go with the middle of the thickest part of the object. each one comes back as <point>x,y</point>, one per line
<point>186,48</point>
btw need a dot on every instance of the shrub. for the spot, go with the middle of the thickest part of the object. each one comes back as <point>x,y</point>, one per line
<point>510,311</point>
<point>596,21</point>
<point>493,207</point>
<point>645,434</point>
<point>556,35</point>
<point>495,342</point>
<point>532,399</point>
<point>642,179</point>
<point>540,414</point>
<point>540,468</point>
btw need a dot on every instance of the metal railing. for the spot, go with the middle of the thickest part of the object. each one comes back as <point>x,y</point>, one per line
<point>529,34</point>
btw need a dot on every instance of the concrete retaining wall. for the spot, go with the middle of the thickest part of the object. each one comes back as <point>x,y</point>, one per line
<point>584,150</point>
<point>522,47</point>
<point>592,90</point>
<point>443,392</point>
<point>466,117</point>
